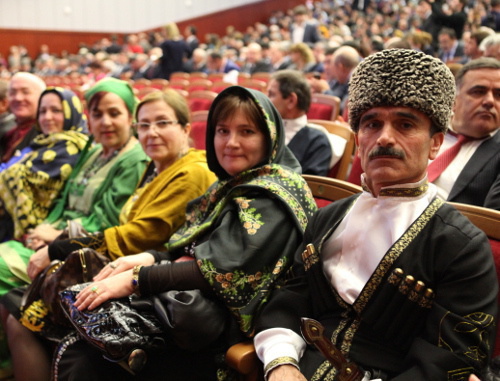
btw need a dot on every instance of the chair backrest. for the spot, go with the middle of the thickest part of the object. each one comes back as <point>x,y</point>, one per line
<point>255,84</point>
<point>342,153</point>
<point>200,100</point>
<point>488,220</point>
<point>199,128</point>
<point>141,93</point>
<point>199,84</point>
<point>159,83</point>
<point>197,75</point>
<point>262,76</point>
<point>324,106</point>
<point>180,75</point>
<point>326,189</point>
<point>218,86</point>
<point>141,83</point>
<point>178,83</point>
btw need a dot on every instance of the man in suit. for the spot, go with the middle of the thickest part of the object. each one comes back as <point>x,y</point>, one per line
<point>473,177</point>
<point>302,30</point>
<point>254,61</point>
<point>290,93</point>
<point>450,48</point>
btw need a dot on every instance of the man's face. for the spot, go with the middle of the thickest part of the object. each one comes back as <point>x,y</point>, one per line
<point>394,145</point>
<point>477,104</point>
<point>275,96</point>
<point>23,97</point>
<point>445,42</point>
<point>470,47</point>
<point>329,67</point>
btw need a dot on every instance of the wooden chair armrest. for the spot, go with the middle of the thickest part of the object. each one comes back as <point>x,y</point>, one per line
<point>243,358</point>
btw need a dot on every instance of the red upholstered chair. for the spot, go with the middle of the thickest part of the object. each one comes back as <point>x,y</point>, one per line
<point>199,84</point>
<point>141,83</point>
<point>180,75</point>
<point>159,83</point>
<point>141,93</point>
<point>200,100</point>
<point>199,128</point>
<point>197,75</point>
<point>262,76</point>
<point>488,220</point>
<point>324,106</point>
<point>242,356</point>
<point>178,83</point>
<point>218,86</point>
<point>255,84</point>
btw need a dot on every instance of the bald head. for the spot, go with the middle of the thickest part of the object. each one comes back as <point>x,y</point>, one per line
<point>344,60</point>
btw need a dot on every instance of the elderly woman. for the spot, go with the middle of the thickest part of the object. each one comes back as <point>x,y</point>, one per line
<point>33,179</point>
<point>241,234</point>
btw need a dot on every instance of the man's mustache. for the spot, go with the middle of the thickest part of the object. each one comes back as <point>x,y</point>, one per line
<point>386,151</point>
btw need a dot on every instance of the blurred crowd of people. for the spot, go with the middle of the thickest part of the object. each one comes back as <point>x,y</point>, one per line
<point>295,38</point>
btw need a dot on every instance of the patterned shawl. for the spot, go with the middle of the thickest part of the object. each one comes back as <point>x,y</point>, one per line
<point>29,186</point>
<point>277,177</point>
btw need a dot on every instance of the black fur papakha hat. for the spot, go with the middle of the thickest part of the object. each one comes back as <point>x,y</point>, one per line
<point>402,78</point>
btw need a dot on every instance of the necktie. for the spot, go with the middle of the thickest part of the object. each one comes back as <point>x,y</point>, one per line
<point>437,167</point>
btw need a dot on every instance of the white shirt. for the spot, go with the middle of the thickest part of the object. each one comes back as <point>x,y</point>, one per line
<point>449,176</point>
<point>351,255</point>
<point>298,33</point>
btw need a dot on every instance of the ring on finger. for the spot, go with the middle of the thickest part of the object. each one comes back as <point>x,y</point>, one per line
<point>95,290</point>
<point>113,265</point>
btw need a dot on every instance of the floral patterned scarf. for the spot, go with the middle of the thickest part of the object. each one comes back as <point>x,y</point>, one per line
<point>277,177</point>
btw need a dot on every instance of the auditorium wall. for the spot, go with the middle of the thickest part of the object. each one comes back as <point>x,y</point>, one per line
<point>97,19</point>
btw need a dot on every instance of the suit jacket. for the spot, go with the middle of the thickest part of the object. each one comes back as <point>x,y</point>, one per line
<point>479,181</point>
<point>311,34</point>
<point>312,149</point>
<point>385,330</point>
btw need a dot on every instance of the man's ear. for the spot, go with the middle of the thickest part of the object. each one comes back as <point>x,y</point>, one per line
<point>436,141</point>
<point>292,101</point>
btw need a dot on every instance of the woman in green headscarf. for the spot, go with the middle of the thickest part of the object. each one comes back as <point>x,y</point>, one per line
<point>242,234</point>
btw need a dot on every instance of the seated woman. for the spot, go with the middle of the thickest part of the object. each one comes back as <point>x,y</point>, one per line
<point>242,234</point>
<point>176,175</point>
<point>103,179</point>
<point>31,181</point>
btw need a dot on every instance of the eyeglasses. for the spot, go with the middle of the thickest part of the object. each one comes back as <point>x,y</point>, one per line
<point>160,125</point>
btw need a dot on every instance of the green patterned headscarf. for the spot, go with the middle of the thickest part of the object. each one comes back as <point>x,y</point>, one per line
<point>115,86</point>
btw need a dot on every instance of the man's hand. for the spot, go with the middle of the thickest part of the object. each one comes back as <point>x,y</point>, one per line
<point>286,373</point>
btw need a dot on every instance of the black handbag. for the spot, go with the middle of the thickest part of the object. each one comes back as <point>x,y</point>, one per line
<point>121,332</point>
<point>126,329</point>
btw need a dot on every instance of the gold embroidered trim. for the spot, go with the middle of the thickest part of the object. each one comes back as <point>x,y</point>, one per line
<point>460,374</point>
<point>285,360</point>
<point>325,372</point>
<point>404,192</point>
<point>384,266</point>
